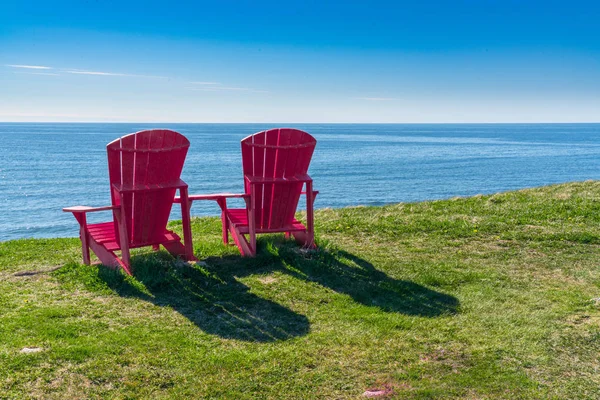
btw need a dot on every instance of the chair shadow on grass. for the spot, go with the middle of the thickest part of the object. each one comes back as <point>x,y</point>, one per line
<point>344,273</point>
<point>213,300</point>
<point>211,296</point>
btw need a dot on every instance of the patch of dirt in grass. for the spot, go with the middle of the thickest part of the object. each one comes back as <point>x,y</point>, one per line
<point>63,384</point>
<point>456,359</point>
<point>28,350</point>
<point>267,280</point>
<point>535,227</point>
<point>484,247</point>
<point>385,390</point>
<point>497,245</point>
<point>379,392</point>
<point>136,374</point>
<point>71,380</point>
<point>563,195</point>
<point>583,319</point>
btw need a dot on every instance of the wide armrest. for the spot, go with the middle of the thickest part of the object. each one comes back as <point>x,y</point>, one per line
<point>314,192</point>
<point>214,196</point>
<point>289,179</point>
<point>148,187</point>
<point>86,209</point>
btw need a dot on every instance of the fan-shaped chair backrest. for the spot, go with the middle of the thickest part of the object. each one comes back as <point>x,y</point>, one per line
<point>142,165</point>
<point>283,154</point>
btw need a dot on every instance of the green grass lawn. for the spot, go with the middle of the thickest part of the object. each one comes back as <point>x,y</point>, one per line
<point>472,298</point>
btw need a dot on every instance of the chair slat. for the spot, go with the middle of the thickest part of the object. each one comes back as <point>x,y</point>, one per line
<point>292,193</point>
<point>271,139</point>
<point>280,192</point>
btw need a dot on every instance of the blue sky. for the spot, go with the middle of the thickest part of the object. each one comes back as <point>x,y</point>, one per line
<point>315,61</point>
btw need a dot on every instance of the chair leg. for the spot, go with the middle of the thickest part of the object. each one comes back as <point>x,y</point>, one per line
<point>84,237</point>
<point>225,229</point>
<point>107,258</point>
<point>310,218</point>
<point>252,244</point>
<point>125,256</point>
<point>187,228</point>
<point>85,247</point>
<point>176,249</point>
<point>222,202</point>
<point>123,240</point>
<point>242,244</point>
<point>252,220</point>
<point>85,250</point>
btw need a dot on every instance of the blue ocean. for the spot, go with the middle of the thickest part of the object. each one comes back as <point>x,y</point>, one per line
<point>47,166</point>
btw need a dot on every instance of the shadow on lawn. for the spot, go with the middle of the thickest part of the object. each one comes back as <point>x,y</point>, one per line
<point>213,300</point>
<point>344,273</point>
<point>211,296</point>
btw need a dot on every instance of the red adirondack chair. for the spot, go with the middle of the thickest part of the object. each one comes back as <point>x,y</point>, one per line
<point>144,170</point>
<point>275,165</point>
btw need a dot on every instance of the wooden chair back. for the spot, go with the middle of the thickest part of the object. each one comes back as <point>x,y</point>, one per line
<point>142,166</point>
<point>280,157</point>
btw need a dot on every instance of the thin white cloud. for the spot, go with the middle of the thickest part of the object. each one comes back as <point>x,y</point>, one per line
<point>36,73</point>
<point>376,98</point>
<point>79,71</point>
<point>82,72</point>
<point>27,66</point>
<point>102,73</point>
<point>232,88</point>
<point>205,83</point>
<point>218,88</point>
<point>206,86</point>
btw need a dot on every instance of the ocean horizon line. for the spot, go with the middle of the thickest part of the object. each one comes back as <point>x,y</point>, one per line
<point>302,123</point>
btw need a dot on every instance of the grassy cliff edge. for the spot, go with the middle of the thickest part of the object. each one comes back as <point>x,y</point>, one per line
<point>484,297</point>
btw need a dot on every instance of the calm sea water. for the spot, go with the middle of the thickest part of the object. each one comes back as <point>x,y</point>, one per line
<point>44,167</point>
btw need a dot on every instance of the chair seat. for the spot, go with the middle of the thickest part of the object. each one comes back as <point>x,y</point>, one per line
<point>104,234</point>
<point>239,218</point>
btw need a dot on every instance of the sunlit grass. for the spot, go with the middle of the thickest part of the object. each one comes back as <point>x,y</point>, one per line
<point>483,297</point>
